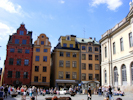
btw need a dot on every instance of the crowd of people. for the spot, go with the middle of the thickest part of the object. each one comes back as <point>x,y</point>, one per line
<point>33,91</point>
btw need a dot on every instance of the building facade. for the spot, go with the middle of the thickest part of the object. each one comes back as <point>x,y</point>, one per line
<point>19,58</point>
<point>117,54</point>
<point>65,63</point>
<point>89,62</point>
<point>41,62</point>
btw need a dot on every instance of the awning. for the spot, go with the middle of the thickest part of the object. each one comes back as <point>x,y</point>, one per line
<point>85,82</point>
<point>66,81</point>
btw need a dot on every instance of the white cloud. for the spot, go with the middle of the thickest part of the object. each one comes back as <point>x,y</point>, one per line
<point>111,4</point>
<point>62,1</point>
<point>5,31</point>
<point>9,6</point>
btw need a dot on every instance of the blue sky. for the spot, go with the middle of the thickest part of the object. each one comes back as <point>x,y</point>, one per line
<point>59,17</point>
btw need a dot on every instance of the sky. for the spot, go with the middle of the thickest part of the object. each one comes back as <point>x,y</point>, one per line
<point>55,18</point>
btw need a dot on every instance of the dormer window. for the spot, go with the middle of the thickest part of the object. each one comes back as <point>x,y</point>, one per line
<point>21,33</point>
<point>67,38</point>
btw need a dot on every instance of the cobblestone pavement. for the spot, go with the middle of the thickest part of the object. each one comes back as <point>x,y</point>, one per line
<point>128,96</point>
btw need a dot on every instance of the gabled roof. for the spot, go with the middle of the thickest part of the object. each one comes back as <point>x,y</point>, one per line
<point>83,40</point>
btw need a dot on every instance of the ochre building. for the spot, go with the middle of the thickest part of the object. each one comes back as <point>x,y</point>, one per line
<point>41,62</point>
<point>65,63</point>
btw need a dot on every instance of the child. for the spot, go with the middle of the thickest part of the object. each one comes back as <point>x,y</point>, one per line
<point>24,95</point>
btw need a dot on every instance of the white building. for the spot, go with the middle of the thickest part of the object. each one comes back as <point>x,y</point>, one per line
<point>117,54</point>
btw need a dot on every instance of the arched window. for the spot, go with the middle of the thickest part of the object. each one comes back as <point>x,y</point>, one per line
<point>105,76</point>
<point>124,75</point>
<point>115,76</point>
<point>132,71</point>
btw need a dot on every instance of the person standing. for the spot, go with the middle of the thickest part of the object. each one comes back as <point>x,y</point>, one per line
<point>89,94</point>
<point>110,93</point>
<point>5,91</point>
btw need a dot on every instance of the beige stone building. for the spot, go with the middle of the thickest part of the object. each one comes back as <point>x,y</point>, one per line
<point>117,54</point>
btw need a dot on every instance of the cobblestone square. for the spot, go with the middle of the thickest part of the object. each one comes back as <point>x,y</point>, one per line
<point>128,96</point>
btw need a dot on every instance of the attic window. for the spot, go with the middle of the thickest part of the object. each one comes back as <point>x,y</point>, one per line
<point>67,38</point>
<point>82,40</point>
<point>42,36</point>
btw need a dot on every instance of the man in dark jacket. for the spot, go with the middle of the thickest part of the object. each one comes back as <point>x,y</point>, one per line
<point>6,90</point>
<point>89,94</point>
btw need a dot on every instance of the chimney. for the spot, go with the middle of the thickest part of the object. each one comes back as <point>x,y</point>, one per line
<point>131,4</point>
<point>94,39</point>
<point>90,37</point>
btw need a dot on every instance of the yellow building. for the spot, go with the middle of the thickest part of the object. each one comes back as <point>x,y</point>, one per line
<point>41,62</point>
<point>89,62</point>
<point>65,62</point>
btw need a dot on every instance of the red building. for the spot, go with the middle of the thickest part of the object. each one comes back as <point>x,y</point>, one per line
<point>18,62</point>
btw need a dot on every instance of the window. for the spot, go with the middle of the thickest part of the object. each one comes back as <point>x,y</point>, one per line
<point>114,48</point>
<point>89,49</point>
<point>90,57</point>
<point>45,58</point>
<point>67,38</point>
<point>124,75</point>
<point>43,79</point>
<point>9,74</point>
<point>83,56</point>
<point>67,74</point>
<point>44,69</point>
<point>21,33</point>
<point>11,50</point>
<point>37,58</point>
<point>130,40</point>
<point>90,67</point>
<point>27,51</point>
<point>26,62</point>
<point>37,50</point>
<point>45,50</point>
<point>67,54</point>
<point>42,42</point>
<point>97,76</point>
<point>18,61</point>
<point>67,63</point>
<point>24,42</point>
<point>74,75</point>
<point>105,52</point>
<point>132,71</point>
<point>61,63</point>
<point>60,75</point>
<point>83,66</point>
<point>105,74</point>
<point>25,74</point>
<point>74,54</point>
<point>42,36</point>
<point>71,45</point>
<point>35,78</point>
<point>19,50</point>
<point>17,74</point>
<point>64,45</point>
<point>36,68</point>
<point>83,76</point>
<point>83,47</point>
<point>96,57</point>
<point>61,54</point>
<point>96,66</point>
<point>16,41</point>
<point>74,64</point>
<point>115,75</point>
<point>10,61</point>
<point>121,44</point>
<point>96,48</point>
<point>90,76</point>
